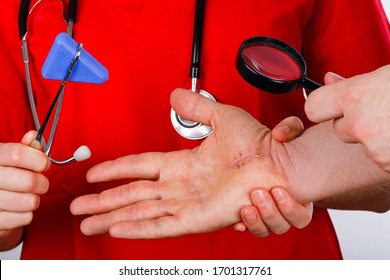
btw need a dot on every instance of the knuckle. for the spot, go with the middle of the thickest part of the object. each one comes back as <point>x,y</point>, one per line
<point>282,229</point>
<point>16,155</point>
<point>35,183</point>
<point>268,215</point>
<point>30,181</point>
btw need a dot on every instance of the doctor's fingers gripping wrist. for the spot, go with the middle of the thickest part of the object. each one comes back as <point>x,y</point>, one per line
<point>274,211</point>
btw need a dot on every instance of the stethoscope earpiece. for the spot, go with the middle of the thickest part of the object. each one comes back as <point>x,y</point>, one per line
<point>190,129</point>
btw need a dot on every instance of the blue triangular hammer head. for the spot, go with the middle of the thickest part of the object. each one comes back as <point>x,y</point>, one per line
<point>60,57</point>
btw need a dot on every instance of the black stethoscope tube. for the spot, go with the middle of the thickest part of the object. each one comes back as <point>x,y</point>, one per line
<point>72,10</point>
<point>22,18</point>
<point>197,38</point>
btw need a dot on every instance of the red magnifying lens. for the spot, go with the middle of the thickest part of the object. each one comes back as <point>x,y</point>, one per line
<point>273,66</point>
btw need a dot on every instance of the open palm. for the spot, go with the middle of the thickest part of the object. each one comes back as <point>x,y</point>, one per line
<point>188,191</point>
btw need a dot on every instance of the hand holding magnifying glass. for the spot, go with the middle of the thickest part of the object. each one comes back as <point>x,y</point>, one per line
<point>273,66</point>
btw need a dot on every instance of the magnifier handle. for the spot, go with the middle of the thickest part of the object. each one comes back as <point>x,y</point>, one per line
<point>310,85</point>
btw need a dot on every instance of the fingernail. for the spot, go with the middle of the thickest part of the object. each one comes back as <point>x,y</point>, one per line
<point>278,194</point>
<point>259,197</point>
<point>250,216</point>
<point>336,77</point>
<point>283,129</point>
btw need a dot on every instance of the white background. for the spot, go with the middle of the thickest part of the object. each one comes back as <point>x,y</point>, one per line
<point>362,235</point>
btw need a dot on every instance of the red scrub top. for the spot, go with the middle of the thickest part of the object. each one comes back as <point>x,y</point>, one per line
<point>146,46</point>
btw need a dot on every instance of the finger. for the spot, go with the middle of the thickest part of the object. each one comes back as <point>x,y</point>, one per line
<point>22,180</point>
<point>18,202</point>
<point>10,220</point>
<point>331,78</point>
<point>164,227</point>
<point>115,198</point>
<point>146,166</point>
<point>194,107</point>
<point>144,210</point>
<point>296,214</point>
<point>344,129</point>
<point>22,156</point>
<point>288,129</point>
<point>240,227</point>
<point>269,212</point>
<point>252,220</point>
<point>327,102</point>
<point>29,140</point>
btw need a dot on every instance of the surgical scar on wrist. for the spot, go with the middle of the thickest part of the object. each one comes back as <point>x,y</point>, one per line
<point>243,159</point>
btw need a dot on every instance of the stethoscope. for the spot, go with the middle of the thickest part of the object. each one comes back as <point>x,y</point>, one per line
<point>83,152</point>
<point>186,128</point>
<point>266,63</point>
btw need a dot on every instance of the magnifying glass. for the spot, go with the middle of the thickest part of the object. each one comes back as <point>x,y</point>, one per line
<point>273,66</point>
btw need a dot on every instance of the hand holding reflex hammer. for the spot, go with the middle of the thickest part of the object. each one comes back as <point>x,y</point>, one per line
<point>21,184</point>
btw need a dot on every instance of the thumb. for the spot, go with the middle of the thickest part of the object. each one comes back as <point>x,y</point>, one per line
<point>29,140</point>
<point>194,107</point>
<point>331,78</point>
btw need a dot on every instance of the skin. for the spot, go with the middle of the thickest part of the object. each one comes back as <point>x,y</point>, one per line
<point>21,184</point>
<point>212,183</point>
<point>276,210</point>
<point>359,107</point>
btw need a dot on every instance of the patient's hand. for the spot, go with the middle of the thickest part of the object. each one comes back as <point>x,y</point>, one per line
<point>187,191</point>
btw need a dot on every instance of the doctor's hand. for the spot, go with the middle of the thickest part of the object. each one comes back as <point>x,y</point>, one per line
<point>276,210</point>
<point>187,191</point>
<point>21,184</point>
<point>359,107</point>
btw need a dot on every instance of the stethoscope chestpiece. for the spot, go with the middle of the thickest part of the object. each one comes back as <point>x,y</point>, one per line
<point>189,129</point>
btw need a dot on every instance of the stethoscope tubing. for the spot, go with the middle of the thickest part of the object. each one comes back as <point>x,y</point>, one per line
<point>197,39</point>
<point>24,11</point>
<point>59,93</point>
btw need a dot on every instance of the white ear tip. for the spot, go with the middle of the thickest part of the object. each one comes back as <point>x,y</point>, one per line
<point>82,153</point>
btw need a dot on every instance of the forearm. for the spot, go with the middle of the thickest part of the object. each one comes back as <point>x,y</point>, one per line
<point>375,198</point>
<point>11,238</point>
<point>318,165</point>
